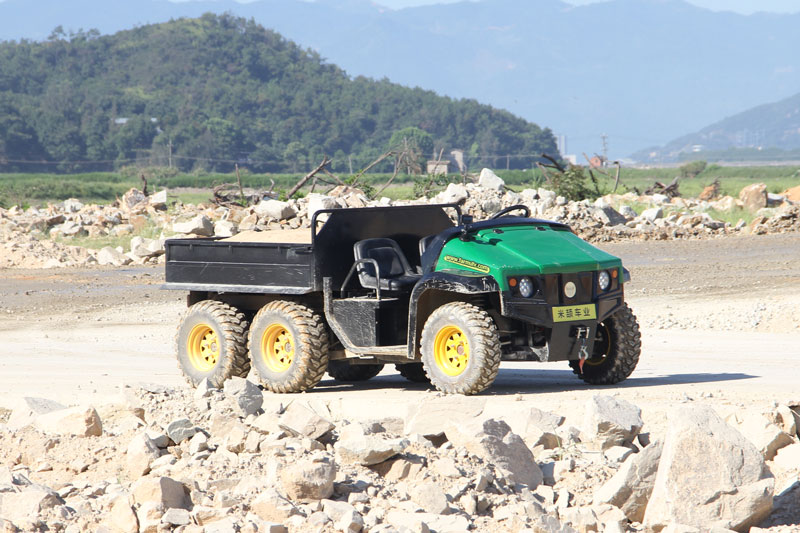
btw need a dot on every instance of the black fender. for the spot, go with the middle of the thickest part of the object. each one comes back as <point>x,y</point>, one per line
<point>437,288</point>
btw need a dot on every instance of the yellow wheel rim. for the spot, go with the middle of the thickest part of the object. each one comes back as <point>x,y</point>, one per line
<point>203,347</point>
<point>451,350</point>
<point>277,348</point>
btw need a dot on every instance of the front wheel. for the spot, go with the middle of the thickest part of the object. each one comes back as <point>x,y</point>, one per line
<point>288,346</point>
<point>210,343</point>
<point>617,346</point>
<point>460,349</point>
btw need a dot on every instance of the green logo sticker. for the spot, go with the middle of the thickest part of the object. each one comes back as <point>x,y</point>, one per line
<point>466,263</point>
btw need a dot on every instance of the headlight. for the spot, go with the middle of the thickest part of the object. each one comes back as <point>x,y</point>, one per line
<point>526,287</point>
<point>604,280</point>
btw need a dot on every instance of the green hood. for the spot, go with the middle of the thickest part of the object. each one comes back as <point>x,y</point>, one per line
<point>527,249</point>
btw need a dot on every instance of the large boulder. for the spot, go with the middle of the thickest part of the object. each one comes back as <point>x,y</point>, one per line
<point>164,491</point>
<point>609,422</point>
<point>25,410</point>
<point>761,431</point>
<point>275,209</point>
<point>630,488</point>
<point>455,193</point>
<point>79,421</point>
<point>494,441</point>
<point>309,479</point>
<point>245,393</point>
<point>430,419</point>
<point>200,225</point>
<point>754,196</point>
<point>709,474</point>
<point>357,446</point>
<point>489,180</point>
<point>301,421</point>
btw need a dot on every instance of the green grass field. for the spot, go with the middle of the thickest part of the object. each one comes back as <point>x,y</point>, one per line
<point>103,187</point>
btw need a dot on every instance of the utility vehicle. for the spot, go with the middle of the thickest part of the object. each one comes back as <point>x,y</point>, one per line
<point>426,288</point>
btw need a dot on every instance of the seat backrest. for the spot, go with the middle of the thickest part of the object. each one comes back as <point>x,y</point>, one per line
<point>424,242</point>
<point>391,261</point>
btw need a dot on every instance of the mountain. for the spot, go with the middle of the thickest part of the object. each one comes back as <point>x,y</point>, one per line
<point>774,126</point>
<point>641,71</point>
<point>217,90</point>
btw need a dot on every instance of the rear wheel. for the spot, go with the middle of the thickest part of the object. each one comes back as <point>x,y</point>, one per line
<point>460,349</point>
<point>348,372</point>
<point>211,343</point>
<point>288,346</point>
<point>617,346</point>
<point>413,372</point>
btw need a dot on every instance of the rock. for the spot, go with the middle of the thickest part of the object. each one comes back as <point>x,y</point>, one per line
<point>754,196</point>
<point>275,209</point>
<point>78,421</point>
<point>200,225</point>
<point>356,446</point>
<point>72,205</point>
<point>430,419</point>
<point>25,411</point>
<point>309,479</point>
<point>400,469</point>
<point>159,199</point>
<point>225,228</point>
<point>180,430</point>
<point>420,522</point>
<point>493,441</point>
<point>122,518</point>
<point>766,436</point>
<point>630,488</point>
<point>317,202</point>
<point>660,198</point>
<point>247,395</point>
<point>142,247</point>
<point>628,212</point>
<point>541,428</point>
<point>139,456</point>
<point>709,473</point>
<point>652,214</point>
<point>430,496</point>
<point>491,181</point>
<point>235,439</point>
<point>111,256</point>
<point>149,515</point>
<point>788,458</point>
<point>302,421</point>
<point>132,200</point>
<point>455,193</point>
<point>176,517</point>
<point>610,422</point>
<point>273,507</point>
<point>608,216</point>
<point>30,503</point>
<point>785,419</point>
<point>617,454</point>
<point>162,490</point>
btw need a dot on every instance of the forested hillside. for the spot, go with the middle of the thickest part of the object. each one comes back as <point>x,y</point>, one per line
<point>209,92</point>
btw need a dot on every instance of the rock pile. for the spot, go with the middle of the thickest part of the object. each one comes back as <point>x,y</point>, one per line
<point>24,233</point>
<point>238,460</point>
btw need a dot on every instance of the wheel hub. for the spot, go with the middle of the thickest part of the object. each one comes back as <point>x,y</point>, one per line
<point>203,347</point>
<point>277,348</point>
<point>451,350</point>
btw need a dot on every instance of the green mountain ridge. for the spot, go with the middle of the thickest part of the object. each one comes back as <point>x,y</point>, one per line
<point>772,128</point>
<point>213,91</point>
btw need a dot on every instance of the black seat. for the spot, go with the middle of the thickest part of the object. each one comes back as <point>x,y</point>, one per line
<point>395,272</point>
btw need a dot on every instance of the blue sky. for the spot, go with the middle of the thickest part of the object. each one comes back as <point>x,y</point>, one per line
<point>740,6</point>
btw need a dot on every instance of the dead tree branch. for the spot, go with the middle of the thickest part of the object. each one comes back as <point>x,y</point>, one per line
<point>325,162</point>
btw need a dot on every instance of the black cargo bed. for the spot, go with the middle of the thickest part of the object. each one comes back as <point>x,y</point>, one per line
<point>235,266</point>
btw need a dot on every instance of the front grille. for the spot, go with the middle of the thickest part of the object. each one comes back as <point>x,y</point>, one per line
<point>554,288</point>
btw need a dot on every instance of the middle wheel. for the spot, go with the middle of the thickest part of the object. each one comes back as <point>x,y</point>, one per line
<point>460,349</point>
<point>288,346</point>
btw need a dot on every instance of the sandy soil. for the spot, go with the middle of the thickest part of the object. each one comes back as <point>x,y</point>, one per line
<point>720,324</point>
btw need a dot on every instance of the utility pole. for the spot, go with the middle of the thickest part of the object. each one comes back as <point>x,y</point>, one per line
<point>170,152</point>
<point>605,148</point>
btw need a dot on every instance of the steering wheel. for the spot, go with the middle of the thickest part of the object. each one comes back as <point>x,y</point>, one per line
<point>509,209</point>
